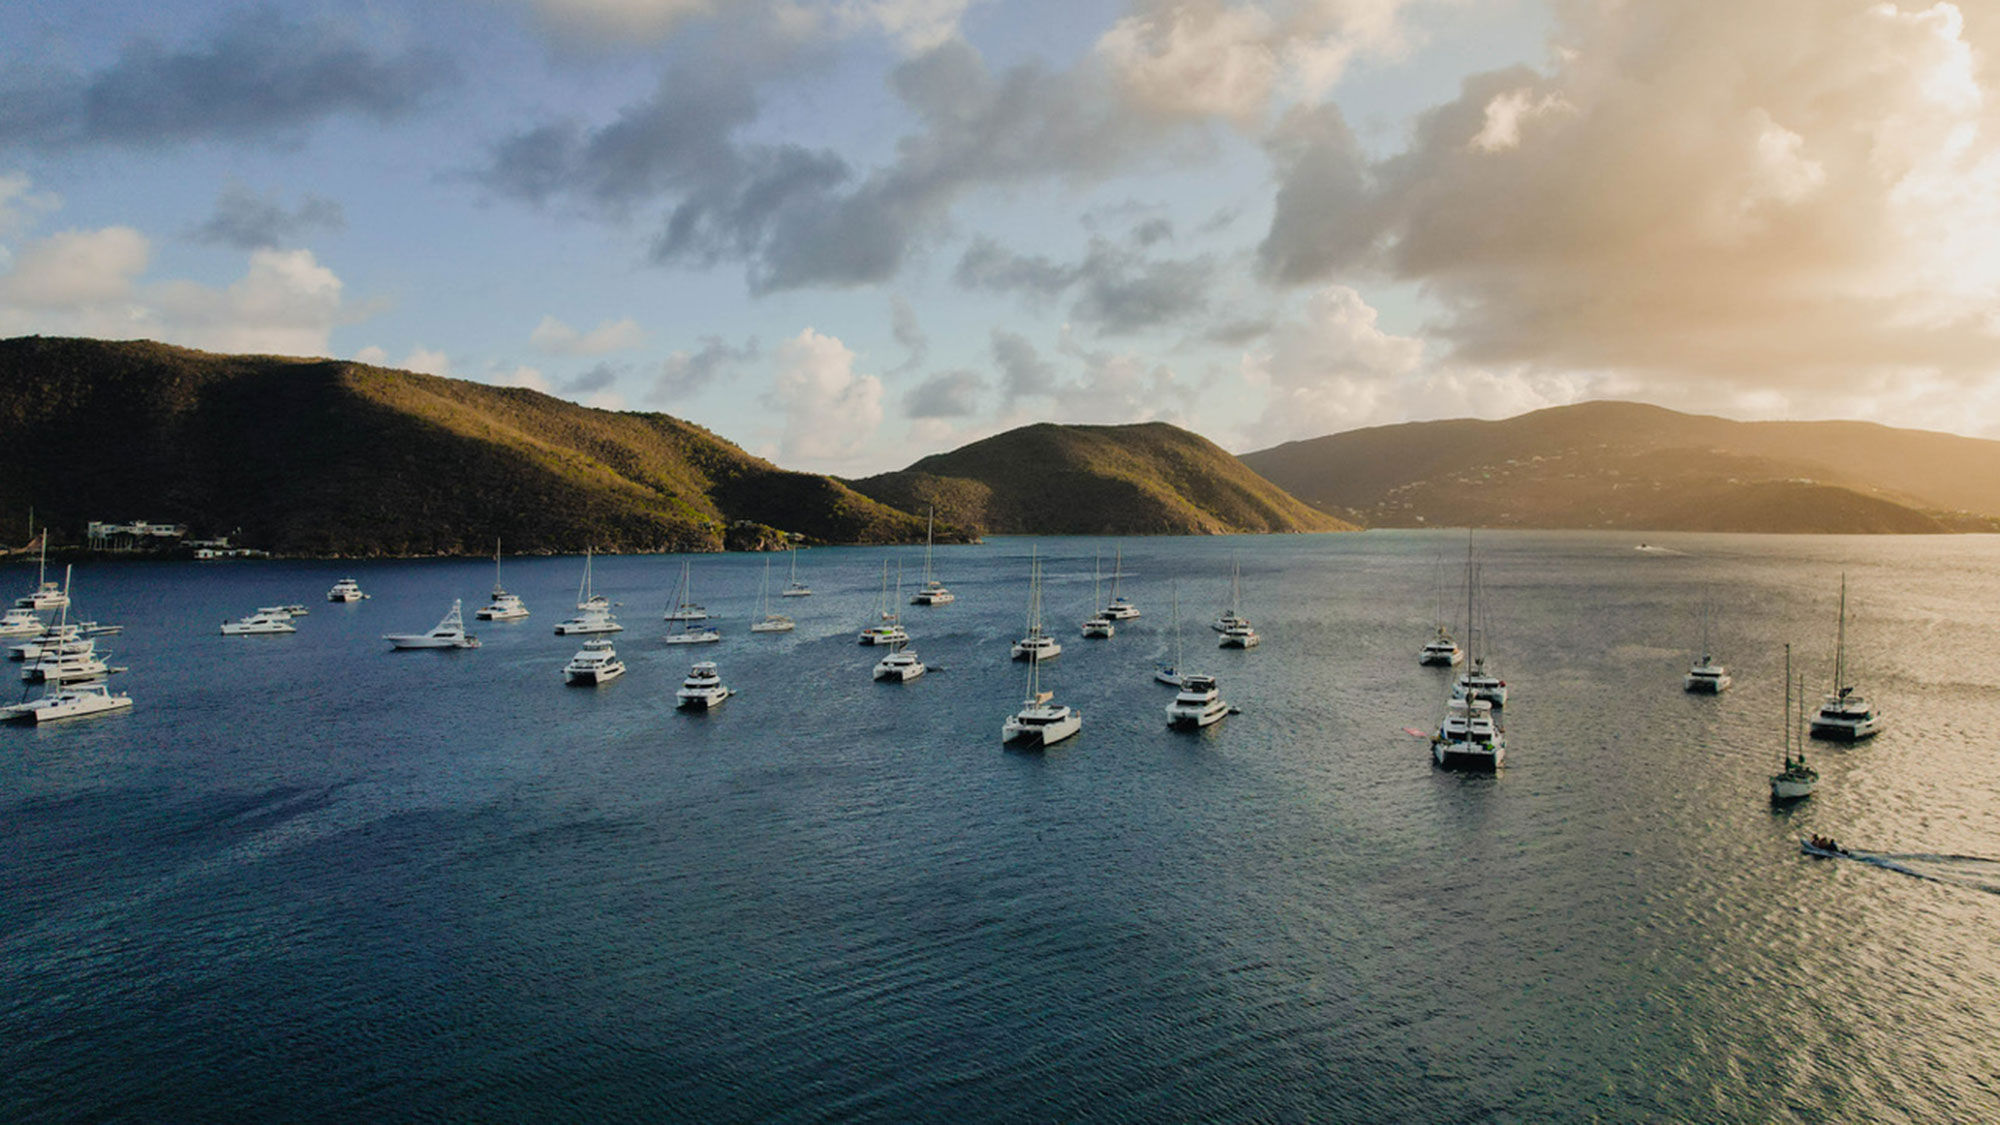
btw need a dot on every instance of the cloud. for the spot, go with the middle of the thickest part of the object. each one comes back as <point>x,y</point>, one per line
<point>21,206</point>
<point>76,270</point>
<point>915,25</point>
<point>599,377</point>
<point>1208,58</point>
<point>259,75</point>
<point>429,361</point>
<point>947,394</point>
<point>1792,195</point>
<point>1023,371</point>
<point>797,217</point>
<point>248,221</point>
<point>373,356</point>
<point>684,373</point>
<point>553,337</point>
<point>910,334</point>
<point>830,413</point>
<point>1118,291</point>
<point>520,376</point>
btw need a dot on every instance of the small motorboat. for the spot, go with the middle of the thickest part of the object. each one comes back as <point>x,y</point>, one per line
<point>1823,846</point>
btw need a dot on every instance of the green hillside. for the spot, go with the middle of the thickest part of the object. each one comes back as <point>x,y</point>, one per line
<point>1627,465</point>
<point>330,457</point>
<point>1145,479</point>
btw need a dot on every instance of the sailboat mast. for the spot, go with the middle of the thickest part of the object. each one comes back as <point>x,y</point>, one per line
<point>929,521</point>
<point>1034,625</point>
<point>1840,641</point>
<point>1176,587</point>
<point>1788,707</point>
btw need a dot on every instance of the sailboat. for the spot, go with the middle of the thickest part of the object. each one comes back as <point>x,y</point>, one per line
<point>1706,676</point>
<point>1798,779</point>
<point>1037,646</point>
<point>1236,630</point>
<point>65,698</point>
<point>684,607</point>
<point>1099,626</point>
<point>66,656</point>
<point>772,622</point>
<point>1119,609</point>
<point>1041,722</point>
<point>933,592</point>
<point>888,628</point>
<point>690,615</point>
<point>1442,651</point>
<point>504,606</point>
<point>1166,673</point>
<point>1845,715</point>
<point>47,594</point>
<point>796,589</point>
<point>593,610</point>
<point>1477,682</point>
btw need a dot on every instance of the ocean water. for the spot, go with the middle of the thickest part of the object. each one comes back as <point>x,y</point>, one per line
<point>309,878</point>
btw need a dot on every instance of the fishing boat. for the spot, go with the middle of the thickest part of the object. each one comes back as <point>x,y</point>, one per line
<point>1099,627</point>
<point>1119,608</point>
<point>595,663</point>
<point>888,628</point>
<point>769,622</point>
<point>1707,677</point>
<point>1037,645</point>
<point>1845,715</point>
<point>1797,779</point>
<point>504,606</point>
<point>796,588</point>
<point>933,591</point>
<point>1041,722</point>
<point>702,689</point>
<point>71,701</point>
<point>449,632</point>
<point>1199,704</point>
<point>593,610</point>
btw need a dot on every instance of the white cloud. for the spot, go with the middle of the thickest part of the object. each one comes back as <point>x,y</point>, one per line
<point>620,19</point>
<point>76,269</point>
<point>430,361</point>
<point>520,376</point>
<point>914,25</point>
<point>21,206</point>
<point>831,414</point>
<point>286,304</point>
<point>553,337</point>
<point>372,356</point>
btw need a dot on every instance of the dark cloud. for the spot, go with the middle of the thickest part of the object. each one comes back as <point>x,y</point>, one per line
<point>909,333</point>
<point>948,394</point>
<point>1023,372</point>
<point>797,217</point>
<point>1152,231</point>
<point>598,378</point>
<point>248,221</point>
<point>260,75</point>
<point>687,373</point>
<point>1118,291</point>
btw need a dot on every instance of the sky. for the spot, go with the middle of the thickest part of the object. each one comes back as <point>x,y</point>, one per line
<point>847,234</point>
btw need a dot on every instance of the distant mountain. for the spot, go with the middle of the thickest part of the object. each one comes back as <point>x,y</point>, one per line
<point>329,457</point>
<point>1145,479</point>
<point>1627,465</point>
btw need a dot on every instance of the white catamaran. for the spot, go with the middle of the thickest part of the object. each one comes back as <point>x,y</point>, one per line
<point>933,592</point>
<point>1041,722</point>
<point>1845,715</point>
<point>504,606</point>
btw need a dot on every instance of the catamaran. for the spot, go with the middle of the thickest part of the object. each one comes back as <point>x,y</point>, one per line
<point>888,629</point>
<point>702,689</point>
<point>1470,737</point>
<point>933,592</point>
<point>449,632</point>
<point>1477,682</point>
<point>1038,645</point>
<point>1118,609</point>
<point>1845,715</point>
<point>72,701</point>
<point>595,663</point>
<point>900,666</point>
<point>1233,616</point>
<point>47,595</point>
<point>1797,779</point>
<point>796,589</point>
<point>504,606</point>
<point>593,610</point>
<point>1199,703</point>
<point>1707,676</point>
<point>345,590</point>
<point>1041,722</point>
<point>684,607</point>
<point>1442,651</point>
<point>1099,626</point>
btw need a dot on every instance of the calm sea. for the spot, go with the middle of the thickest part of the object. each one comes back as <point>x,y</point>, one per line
<point>309,878</point>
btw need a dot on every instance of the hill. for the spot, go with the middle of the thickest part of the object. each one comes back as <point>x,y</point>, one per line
<point>1628,465</point>
<point>1144,479</point>
<point>316,456</point>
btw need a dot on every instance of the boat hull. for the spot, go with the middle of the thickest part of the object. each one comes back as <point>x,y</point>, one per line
<point>1036,652</point>
<point>704,638</point>
<point>582,628</point>
<point>899,675</point>
<point>700,701</point>
<point>1441,659</point>
<point>1189,718</point>
<point>1789,789</point>
<point>404,644</point>
<point>30,713</point>
<point>1038,736</point>
<point>1458,756</point>
<point>1845,731</point>
<point>1706,685</point>
<point>500,614</point>
<point>773,627</point>
<point>594,677</point>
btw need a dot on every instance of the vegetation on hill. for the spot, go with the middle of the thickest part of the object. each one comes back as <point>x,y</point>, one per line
<point>1145,479</point>
<point>330,457</point>
<point>1627,465</point>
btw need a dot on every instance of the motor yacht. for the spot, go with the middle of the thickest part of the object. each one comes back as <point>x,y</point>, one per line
<point>901,666</point>
<point>933,592</point>
<point>449,632</point>
<point>593,610</point>
<point>702,689</point>
<point>595,663</point>
<point>1470,737</point>
<point>21,622</point>
<point>1442,651</point>
<point>345,590</point>
<point>73,701</point>
<point>504,606</point>
<point>261,622</point>
<point>66,667</point>
<point>1199,704</point>
<point>1845,715</point>
<point>54,639</point>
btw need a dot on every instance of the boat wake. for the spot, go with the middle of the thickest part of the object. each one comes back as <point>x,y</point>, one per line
<point>1974,872</point>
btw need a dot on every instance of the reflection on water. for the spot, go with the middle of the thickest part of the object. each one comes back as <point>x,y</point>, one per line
<point>308,877</point>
